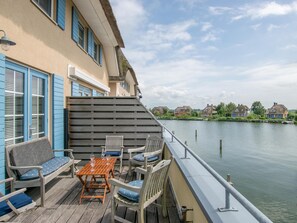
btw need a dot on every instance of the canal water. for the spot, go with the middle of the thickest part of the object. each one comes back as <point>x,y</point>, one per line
<point>260,157</point>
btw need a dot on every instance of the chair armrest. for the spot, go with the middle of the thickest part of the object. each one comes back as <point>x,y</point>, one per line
<point>139,149</point>
<point>6,197</point>
<point>6,180</point>
<point>140,170</point>
<point>118,183</point>
<point>152,153</point>
<point>39,169</point>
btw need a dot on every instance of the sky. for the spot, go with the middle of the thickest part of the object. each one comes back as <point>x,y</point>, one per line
<point>198,52</point>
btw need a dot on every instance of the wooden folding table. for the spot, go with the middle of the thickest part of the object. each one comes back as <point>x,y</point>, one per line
<point>102,169</point>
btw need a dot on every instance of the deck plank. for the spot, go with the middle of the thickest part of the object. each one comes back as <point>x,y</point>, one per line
<point>62,205</point>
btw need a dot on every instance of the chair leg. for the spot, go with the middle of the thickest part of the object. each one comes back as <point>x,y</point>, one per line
<point>130,167</point>
<point>113,207</point>
<point>140,215</point>
<point>72,170</point>
<point>42,194</point>
<point>164,208</point>
<point>121,163</point>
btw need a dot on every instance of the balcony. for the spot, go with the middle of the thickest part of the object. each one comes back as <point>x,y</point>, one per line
<point>193,185</point>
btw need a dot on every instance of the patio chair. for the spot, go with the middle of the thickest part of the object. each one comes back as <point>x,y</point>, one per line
<point>139,194</point>
<point>114,147</point>
<point>14,203</point>
<point>151,153</point>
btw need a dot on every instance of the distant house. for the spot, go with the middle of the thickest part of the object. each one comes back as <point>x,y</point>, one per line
<point>240,111</point>
<point>277,111</point>
<point>160,110</point>
<point>184,110</point>
<point>209,111</point>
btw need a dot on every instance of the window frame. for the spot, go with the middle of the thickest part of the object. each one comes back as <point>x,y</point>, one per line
<point>81,26</point>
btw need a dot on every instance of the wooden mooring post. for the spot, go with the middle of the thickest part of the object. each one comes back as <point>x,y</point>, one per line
<point>221,145</point>
<point>196,134</point>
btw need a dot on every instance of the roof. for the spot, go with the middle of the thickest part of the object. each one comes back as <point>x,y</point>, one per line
<point>277,109</point>
<point>241,109</point>
<point>112,21</point>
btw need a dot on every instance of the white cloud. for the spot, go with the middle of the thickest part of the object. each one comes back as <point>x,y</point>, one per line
<point>262,10</point>
<point>272,27</point>
<point>131,21</point>
<point>206,26</point>
<point>256,26</point>
<point>209,37</point>
<point>186,48</point>
<point>219,10</point>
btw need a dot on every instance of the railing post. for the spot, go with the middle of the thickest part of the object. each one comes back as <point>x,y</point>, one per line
<point>186,150</point>
<point>172,136</point>
<point>227,198</point>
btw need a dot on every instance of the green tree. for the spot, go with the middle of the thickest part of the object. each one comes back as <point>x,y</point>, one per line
<point>257,108</point>
<point>230,108</point>
<point>221,109</point>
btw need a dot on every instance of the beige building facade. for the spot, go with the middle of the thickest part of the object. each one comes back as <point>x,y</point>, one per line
<point>63,48</point>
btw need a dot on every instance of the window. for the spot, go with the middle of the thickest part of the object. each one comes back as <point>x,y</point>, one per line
<point>55,9</point>
<point>84,91</point>
<point>25,104</point>
<point>125,85</point>
<point>46,5</point>
<point>96,52</point>
<point>81,35</point>
<point>38,107</point>
<point>14,107</point>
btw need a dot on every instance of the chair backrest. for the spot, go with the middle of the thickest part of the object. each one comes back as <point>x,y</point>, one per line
<point>154,182</point>
<point>153,143</point>
<point>30,153</point>
<point>114,143</point>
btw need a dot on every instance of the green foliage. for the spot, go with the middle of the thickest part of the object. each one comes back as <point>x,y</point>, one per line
<point>292,116</point>
<point>257,108</point>
<point>230,108</point>
<point>221,109</point>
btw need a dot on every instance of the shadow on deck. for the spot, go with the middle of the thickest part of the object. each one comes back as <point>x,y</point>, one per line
<point>62,205</point>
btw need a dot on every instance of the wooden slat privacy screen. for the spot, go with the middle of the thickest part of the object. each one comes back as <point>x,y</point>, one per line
<point>90,119</point>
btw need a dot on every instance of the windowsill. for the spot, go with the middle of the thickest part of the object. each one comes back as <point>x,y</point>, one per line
<point>81,48</point>
<point>50,18</point>
<point>100,65</point>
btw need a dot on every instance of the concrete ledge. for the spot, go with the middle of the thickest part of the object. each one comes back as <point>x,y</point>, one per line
<point>206,190</point>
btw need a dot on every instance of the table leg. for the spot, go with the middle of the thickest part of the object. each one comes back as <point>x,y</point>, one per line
<point>83,188</point>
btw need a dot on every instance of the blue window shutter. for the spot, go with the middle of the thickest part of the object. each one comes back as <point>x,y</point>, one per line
<point>58,113</point>
<point>2,121</point>
<point>74,24</point>
<point>90,43</point>
<point>74,89</point>
<point>100,54</point>
<point>61,6</point>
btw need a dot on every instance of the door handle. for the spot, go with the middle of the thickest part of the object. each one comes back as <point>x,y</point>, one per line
<point>31,131</point>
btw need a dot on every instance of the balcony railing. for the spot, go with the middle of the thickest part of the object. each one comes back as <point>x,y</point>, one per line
<point>229,189</point>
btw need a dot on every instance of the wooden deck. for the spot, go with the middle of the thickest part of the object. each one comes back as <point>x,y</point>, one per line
<point>62,205</point>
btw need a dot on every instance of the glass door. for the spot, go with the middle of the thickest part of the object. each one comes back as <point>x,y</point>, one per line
<point>14,106</point>
<point>25,104</point>
<point>38,106</point>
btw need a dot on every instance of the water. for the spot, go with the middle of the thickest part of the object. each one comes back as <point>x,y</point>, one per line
<point>261,158</point>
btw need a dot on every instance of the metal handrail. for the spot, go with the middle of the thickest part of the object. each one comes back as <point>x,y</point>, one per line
<point>229,189</point>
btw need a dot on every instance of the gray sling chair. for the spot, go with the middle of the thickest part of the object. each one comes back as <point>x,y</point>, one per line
<point>139,194</point>
<point>150,154</point>
<point>114,146</point>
